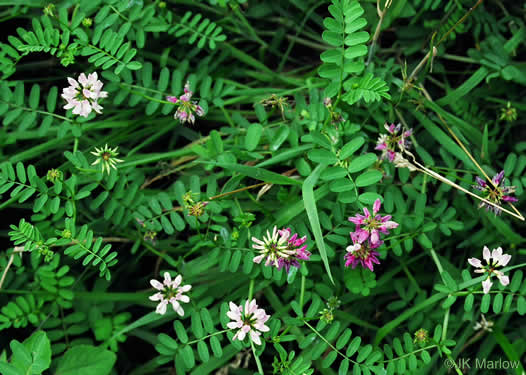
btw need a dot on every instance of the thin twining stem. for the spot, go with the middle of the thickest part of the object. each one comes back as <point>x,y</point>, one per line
<point>429,172</point>
<point>18,249</point>
<point>428,97</point>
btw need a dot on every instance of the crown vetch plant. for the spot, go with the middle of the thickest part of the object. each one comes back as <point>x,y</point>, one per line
<point>325,170</point>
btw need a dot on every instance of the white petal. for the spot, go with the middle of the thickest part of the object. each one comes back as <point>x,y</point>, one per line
<point>82,79</point>
<point>496,254</point>
<point>177,281</point>
<point>167,279</point>
<point>475,262</point>
<point>180,311</point>
<point>486,254</point>
<point>184,299</point>
<point>486,285</point>
<point>73,82</point>
<point>504,260</point>
<point>262,327</point>
<point>504,280</point>
<point>157,285</point>
<point>156,297</point>
<point>256,240</point>
<point>161,307</point>
<point>185,288</point>
<point>254,336</point>
<point>240,335</point>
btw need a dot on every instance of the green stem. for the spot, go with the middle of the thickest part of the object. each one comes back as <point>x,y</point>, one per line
<point>444,326</point>
<point>258,362</point>
<point>251,289</point>
<point>210,335</point>
<point>437,261</point>
<point>302,292</point>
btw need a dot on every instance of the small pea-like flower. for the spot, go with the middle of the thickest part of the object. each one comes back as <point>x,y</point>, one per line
<point>249,320</point>
<point>106,157</point>
<point>484,324</point>
<point>327,315</point>
<point>170,291</point>
<point>397,139</point>
<point>49,10</point>
<point>421,337</point>
<point>370,226</point>
<point>362,253</point>
<point>272,248</point>
<point>508,113</point>
<point>294,243</point>
<point>198,209</point>
<point>83,95</point>
<point>333,302</point>
<point>495,192</point>
<point>187,107</point>
<point>87,22</point>
<point>274,101</point>
<point>499,260</point>
<point>54,175</point>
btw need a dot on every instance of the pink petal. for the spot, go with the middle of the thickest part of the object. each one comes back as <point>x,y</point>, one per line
<point>376,206</point>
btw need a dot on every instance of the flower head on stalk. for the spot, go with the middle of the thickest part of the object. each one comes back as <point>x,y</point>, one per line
<point>170,291</point>
<point>106,157</point>
<point>494,260</point>
<point>361,253</point>
<point>495,192</point>
<point>272,248</point>
<point>296,244</point>
<point>83,95</point>
<point>370,226</point>
<point>187,107</point>
<point>397,139</point>
<point>484,324</point>
<point>249,320</point>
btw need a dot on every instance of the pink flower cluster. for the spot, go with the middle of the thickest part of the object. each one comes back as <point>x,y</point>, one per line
<point>170,292</point>
<point>187,107</point>
<point>495,192</point>
<point>390,143</point>
<point>281,249</point>
<point>249,320</point>
<point>366,237</point>
<point>83,95</point>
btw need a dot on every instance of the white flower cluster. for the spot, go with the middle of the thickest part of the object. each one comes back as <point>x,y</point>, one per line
<point>83,95</point>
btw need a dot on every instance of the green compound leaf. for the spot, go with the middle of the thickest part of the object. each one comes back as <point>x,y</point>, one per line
<point>86,360</point>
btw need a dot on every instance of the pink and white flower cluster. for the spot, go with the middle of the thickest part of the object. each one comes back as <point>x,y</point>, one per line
<point>393,142</point>
<point>495,192</point>
<point>366,237</point>
<point>83,95</point>
<point>499,260</point>
<point>187,107</point>
<point>249,320</point>
<point>281,249</point>
<point>170,292</point>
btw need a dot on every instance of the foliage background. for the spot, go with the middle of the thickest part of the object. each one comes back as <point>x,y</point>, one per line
<point>91,298</point>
